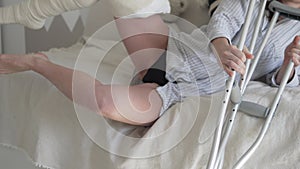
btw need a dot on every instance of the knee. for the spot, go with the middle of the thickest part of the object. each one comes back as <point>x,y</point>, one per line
<point>106,109</point>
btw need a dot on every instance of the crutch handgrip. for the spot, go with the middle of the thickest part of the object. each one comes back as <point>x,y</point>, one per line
<point>254,109</point>
<point>236,95</point>
<point>284,10</point>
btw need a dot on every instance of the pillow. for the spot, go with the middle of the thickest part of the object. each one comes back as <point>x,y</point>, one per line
<point>178,6</point>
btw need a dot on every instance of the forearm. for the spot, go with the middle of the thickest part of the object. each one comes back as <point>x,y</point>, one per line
<point>227,19</point>
<point>291,54</point>
<point>230,56</point>
<point>281,73</point>
<point>220,44</point>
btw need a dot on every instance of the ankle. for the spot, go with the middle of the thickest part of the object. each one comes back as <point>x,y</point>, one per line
<point>36,60</point>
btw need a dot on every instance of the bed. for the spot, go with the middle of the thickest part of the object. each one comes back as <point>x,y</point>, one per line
<point>56,134</point>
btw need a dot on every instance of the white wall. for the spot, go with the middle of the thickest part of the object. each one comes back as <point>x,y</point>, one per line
<point>13,159</point>
<point>13,39</point>
<point>0,33</point>
<point>63,31</point>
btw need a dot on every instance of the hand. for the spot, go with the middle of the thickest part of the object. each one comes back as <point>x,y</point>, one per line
<point>292,52</point>
<point>231,57</point>
<point>11,63</point>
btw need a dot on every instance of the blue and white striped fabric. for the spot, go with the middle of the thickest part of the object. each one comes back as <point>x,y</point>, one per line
<point>192,68</point>
<point>231,15</point>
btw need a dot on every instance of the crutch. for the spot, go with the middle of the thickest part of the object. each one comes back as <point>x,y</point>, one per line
<point>236,100</point>
<point>278,8</point>
<point>292,13</point>
<point>228,89</point>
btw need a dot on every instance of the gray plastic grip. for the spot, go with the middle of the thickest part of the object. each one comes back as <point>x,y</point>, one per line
<point>254,109</point>
<point>284,10</point>
<point>236,95</point>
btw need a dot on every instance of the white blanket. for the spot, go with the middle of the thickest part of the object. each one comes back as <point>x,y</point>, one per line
<point>36,117</point>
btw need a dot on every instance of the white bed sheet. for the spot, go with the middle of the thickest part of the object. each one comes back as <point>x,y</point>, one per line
<point>37,118</point>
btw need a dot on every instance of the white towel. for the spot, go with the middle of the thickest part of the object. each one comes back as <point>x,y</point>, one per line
<point>33,13</point>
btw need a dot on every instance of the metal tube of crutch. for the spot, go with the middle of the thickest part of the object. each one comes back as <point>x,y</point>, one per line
<point>292,13</point>
<point>226,134</point>
<point>258,23</point>
<point>243,160</point>
<point>229,85</point>
<point>275,103</point>
<point>220,162</point>
<point>265,40</point>
<point>218,132</point>
<point>235,108</point>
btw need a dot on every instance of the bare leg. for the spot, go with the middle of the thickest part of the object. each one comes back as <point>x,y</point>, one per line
<point>144,38</point>
<point>137,105</point>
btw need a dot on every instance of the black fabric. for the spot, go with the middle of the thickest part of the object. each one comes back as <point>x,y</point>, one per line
<point>156,74</point>
<point>270,14</point>
<point>210,2</point>
<point>212,7</point>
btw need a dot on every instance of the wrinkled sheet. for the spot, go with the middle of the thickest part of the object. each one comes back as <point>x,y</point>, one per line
<point>37,118</point>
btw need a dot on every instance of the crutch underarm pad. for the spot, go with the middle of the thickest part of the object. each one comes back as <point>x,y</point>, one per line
<point>284,10</point>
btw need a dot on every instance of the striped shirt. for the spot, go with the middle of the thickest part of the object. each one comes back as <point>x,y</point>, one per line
<point>192,68</point>
<point>227,22</point>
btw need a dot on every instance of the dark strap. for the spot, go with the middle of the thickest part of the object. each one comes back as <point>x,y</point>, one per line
<point>157,72</point>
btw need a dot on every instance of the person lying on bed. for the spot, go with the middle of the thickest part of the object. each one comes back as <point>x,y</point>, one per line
<point>197,74</point>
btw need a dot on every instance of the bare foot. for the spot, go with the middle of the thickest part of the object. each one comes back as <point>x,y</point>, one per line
<point>12,63</point>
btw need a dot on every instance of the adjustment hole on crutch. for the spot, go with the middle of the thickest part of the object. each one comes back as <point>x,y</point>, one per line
<point>233,109</point>
<point>230,121</point>
<point>227,91</point>
<point>224,102</point>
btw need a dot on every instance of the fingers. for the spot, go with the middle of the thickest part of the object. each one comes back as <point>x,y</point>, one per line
<point>293,52</point>
<point>296,41</point>
<point>228,71</point>
<point>234,63</point>
<point>233,59</point>
<point>247,53</point>
<point>4,59</point>
<point>240,55</point>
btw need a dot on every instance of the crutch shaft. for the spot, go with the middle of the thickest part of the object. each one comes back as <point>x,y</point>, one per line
<point>251,49</point>
<point>218,133</point>
<point>231,119</point>
<point>247,155</point>
<point>292,13</point>
<point>258,23</point>
<point>273,108</point>
<point>265,40</point>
